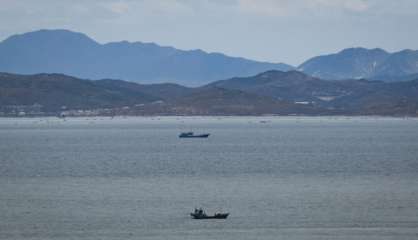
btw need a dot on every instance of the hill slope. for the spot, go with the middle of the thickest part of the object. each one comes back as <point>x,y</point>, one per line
<point>53,93</point>
<point>56,92</point>
<point>339,97</point>
<point>272,92</point>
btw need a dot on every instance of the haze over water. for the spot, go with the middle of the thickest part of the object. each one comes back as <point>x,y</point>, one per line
<point>279,177</point>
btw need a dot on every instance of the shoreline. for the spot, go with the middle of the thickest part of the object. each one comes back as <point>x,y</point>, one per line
<point>213,116</point>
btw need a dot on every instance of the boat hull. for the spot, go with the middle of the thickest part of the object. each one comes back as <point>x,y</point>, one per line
<point>216,216</point>
<point>194,136</point>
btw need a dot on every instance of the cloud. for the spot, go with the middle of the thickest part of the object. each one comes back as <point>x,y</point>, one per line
<point>295,7</point>
<point>350,5</point>
<point>118,7</point>
<point>147,7</point>
<point>265,7</point>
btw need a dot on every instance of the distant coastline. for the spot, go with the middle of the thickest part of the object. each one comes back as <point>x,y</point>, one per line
<point>261,117</point>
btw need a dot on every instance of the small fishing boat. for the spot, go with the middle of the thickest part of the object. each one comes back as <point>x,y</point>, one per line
<point>200,214</point>
<point>192,135</point>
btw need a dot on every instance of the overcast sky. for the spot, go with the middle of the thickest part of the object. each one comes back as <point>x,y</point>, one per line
<point>270,30</point>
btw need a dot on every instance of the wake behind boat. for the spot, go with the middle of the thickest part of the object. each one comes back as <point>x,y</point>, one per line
<point>192,135</point>
<point>200,214</point>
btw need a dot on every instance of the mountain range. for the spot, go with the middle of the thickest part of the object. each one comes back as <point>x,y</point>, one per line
<point>51,71</point>
<point>75,54</point>
<point>71,53</point>
<point>271,92</point>
<point>357,63</point>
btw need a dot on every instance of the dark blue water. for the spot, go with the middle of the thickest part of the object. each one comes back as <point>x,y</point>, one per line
<point>280,178</point>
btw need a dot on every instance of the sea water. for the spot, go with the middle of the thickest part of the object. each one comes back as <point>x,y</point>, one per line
<point>278,177</point>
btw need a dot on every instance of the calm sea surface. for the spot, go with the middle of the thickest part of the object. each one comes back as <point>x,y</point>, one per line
<point>279,177</point>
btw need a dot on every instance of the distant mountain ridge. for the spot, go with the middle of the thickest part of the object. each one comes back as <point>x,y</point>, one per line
<point>75,54</point>
<point>71,53</point>
<point>357,63</point>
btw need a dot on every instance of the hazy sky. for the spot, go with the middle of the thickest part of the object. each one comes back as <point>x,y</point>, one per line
<point>272,30</point>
